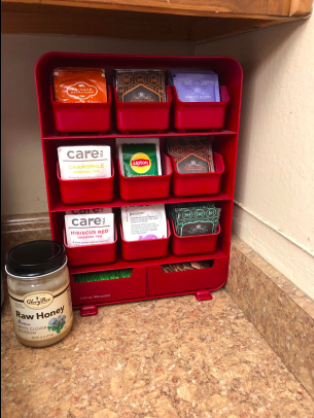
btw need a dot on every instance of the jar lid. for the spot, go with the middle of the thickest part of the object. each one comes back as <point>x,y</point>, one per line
<point>36,258</point>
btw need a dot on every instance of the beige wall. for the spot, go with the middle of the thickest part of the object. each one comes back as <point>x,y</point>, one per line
<point>22,176</point>
<point>275,173</point>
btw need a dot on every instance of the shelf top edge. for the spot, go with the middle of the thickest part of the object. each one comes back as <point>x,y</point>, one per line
<point>138,135</point>
<point>170,259</point>
<point>121,203</point>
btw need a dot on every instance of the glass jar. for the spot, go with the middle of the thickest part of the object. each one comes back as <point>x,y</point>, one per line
<point>40,294</point>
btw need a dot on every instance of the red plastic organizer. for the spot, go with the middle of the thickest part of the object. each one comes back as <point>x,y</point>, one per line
<point>109,291</point>
<point>91,254</point>
<point>204,115</point>
<point>160,283</point>
<point>82,117</point>
<point>198,184</point>
<point>197,244</point>
<point>86,190</point>
<point>143,116</point>
<point>148,281</point>
<point>147,187</point>
<point>145,249</point>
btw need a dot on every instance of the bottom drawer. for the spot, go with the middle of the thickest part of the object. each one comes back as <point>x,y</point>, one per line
<point>160,283</point>
<point>133,287</point>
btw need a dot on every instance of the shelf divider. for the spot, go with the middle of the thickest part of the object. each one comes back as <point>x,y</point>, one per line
<point>170,259</point>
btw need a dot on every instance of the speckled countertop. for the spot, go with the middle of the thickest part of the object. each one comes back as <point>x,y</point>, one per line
<point>168,358</point>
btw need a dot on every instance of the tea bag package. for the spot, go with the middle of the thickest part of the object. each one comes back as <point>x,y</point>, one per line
<point>80,85</point>
<point>197,219</point>
<point>139,157</point>
<point>196,86</point>
<point>140,85</point>
<point>192,154</point>
<point>89,229</point>
<point>187,205</point>
<point>88,211</point>
<point>84,162</point>
<point>144,222</point>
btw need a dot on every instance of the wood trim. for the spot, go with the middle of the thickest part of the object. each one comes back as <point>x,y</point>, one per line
<point>257,9</point>
<point>203,30</point>
<point>279,8</point>
<point>301,7</point>
<point>32,17</point>
<point>46,19</point>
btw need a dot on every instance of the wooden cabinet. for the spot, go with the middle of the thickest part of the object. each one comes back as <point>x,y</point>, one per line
<point>186,20</point>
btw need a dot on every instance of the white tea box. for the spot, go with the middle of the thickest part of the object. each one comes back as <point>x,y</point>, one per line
<point>90,229</point>
<point>88,211</point>
<point>84,162</point>
<point>144,222</point>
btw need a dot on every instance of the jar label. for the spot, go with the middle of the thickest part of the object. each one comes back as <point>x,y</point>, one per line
<point>38,301</point>
<point>42,315</point>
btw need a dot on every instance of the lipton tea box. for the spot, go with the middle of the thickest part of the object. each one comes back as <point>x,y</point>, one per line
<point>80,85</point>
<point>140,86</point>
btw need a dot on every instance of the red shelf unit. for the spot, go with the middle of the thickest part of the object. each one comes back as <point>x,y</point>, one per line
<point>148,280</point>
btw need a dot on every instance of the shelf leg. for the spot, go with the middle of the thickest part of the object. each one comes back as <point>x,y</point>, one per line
<point>89,310</point>
<point>203,295</point>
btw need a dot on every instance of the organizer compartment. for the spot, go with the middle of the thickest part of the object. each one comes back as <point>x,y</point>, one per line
<point>89,255</point>
<point>198,244</point>
<point>107,291</point>
<point>143,116</point>
<point>146,187</point>
<point>200,115</point>
<point>86,190</point>
<point>160,283</point>
<point>145,249</point>
<point>82,117</point>
<point>198,184</point>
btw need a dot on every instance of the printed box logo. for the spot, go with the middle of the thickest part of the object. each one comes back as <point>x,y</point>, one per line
<point>37,301</point>
<point>141,163</point>
<point>82,91</point>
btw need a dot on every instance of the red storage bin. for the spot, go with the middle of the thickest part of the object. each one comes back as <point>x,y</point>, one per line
<point>107,291</point>
<point>140,250</point>
<point>197,244</point>
<point>86,190</point>
<point>143,116</point>
<point>202,115</point>
<point>160,283</point>
<point>82,117</point>
<point>147,187</point>
<point>91,254</point>
<point>198,184</point>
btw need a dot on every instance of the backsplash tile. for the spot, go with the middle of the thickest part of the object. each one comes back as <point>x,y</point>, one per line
<point>282,313</point>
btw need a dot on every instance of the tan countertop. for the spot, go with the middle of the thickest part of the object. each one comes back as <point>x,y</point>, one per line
<point>170,358</point>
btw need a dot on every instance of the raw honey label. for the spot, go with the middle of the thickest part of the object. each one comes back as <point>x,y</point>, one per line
<point>42,315</point>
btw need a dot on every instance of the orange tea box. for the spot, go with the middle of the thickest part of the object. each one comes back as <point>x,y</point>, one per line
<point>80,85</point>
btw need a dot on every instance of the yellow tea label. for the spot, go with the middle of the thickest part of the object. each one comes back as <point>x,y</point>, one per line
<point>141,163</point>
<point>140,160</point>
